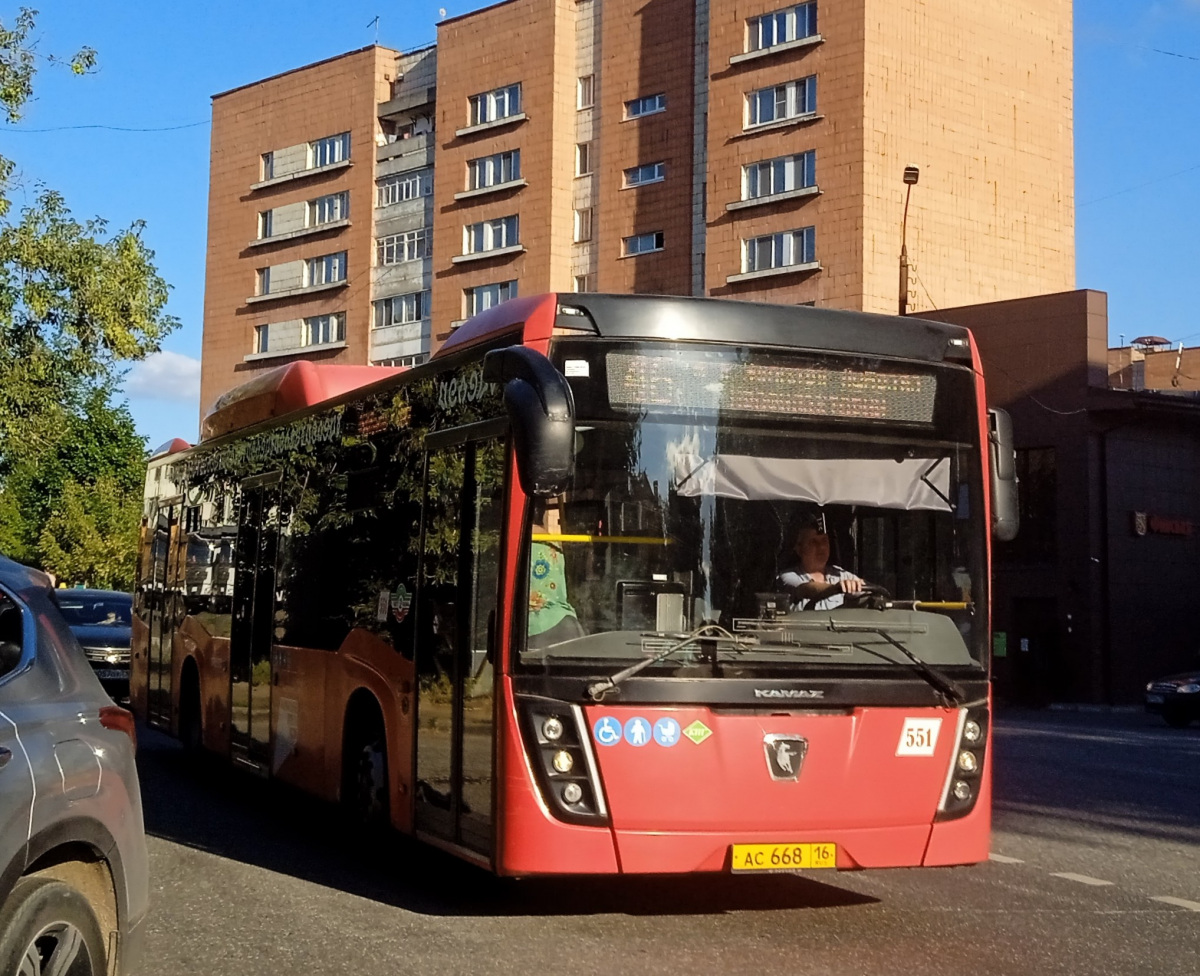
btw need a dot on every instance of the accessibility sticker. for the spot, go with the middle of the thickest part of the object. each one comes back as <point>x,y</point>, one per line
<point>637,731</point>
<point>666,732</point>
<point>607,731</point>
<point>697,732</point>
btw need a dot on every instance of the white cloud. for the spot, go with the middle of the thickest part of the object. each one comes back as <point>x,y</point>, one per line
<point>165,376</point>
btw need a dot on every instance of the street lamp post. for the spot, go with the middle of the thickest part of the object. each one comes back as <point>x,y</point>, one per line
<point>911,175</point>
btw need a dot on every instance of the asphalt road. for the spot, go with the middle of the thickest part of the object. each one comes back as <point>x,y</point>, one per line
<point>1095,869</point>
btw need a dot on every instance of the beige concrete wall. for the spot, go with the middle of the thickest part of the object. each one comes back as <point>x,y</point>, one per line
<point>979,96</point>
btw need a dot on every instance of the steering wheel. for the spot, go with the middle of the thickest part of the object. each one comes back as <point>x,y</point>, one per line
<point>871,595</point>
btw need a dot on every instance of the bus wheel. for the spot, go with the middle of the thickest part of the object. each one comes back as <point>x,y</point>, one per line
<point>365,783</point>
<point>49,927</point>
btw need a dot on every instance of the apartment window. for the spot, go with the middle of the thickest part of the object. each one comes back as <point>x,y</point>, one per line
<point>789,101</point>
<point>322,329</point>
<point>781,26</point>
<point>488,235</point>
<point>264,224</point>
<point>404,361</point>
<point>583,225</point>
<point>330,150</point>
<point>583,158</point>
<point>262,281</point>
<point>326,209</point>
<point>494,105</point>
<point>406,186</point>
<point>401,309</point>
<point>642,243</point>
<point>646,173</point>
<point>398,248</point>
<point>646,105</point>
<point>268,165</point>
<point>326,269</point>
<point>779,175</point>
<point>585,282</point>
<point>488,171</point>
<point>483,297</point>
<point>780,250</point>
<point>586,89</point>
<point>262,338</point>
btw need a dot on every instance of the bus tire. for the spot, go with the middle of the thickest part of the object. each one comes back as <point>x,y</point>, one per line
<point>48,926</point>
<point>365,765</point>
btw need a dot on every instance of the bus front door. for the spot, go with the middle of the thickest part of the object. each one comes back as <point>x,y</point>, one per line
<point>252,629</point>
<point>456,606</point>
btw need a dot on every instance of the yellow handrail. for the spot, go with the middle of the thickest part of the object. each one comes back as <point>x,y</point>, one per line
<point>635,540</point>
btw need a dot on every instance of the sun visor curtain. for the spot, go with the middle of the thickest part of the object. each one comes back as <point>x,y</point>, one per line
<point>908,483</point>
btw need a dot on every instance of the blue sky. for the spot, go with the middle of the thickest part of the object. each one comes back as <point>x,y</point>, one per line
<point>1137,144</point>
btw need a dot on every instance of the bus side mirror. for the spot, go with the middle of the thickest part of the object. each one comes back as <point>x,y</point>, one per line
<point>541,408</point>
<point>1003,464</point>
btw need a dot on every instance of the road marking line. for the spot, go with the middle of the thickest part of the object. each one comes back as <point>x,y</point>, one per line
<point>1191,906</point>
<point>1081,878</point>
<point>1002,859</point>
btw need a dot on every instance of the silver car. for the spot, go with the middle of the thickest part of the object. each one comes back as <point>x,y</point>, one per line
<point>73,878</point>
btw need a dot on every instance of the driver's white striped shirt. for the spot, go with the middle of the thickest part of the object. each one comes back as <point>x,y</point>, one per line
<point>791,578</point>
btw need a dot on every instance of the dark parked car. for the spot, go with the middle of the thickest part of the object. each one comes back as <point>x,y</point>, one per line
<point>1176,698</point>
<point>101,622</point>
<point>73,866</point>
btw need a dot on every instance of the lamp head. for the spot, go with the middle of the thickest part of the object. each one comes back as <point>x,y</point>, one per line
<point>911,175</point>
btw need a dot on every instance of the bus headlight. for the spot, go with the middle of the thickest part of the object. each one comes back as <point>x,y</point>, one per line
<point>967,761</point>
<point>972,732</point>
<point>552,728</point>
<point>557,741</point>
<point>563,762</point>
<point>963,778</point>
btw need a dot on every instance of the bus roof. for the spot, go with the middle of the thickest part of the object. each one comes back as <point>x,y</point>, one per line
<point>284,389</point>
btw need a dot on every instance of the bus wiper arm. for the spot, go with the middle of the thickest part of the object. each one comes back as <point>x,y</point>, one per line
<point>598,689</point>
<point>951,692</point>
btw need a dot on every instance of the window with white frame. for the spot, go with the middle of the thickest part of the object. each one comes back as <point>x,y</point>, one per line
<point>327,209</point>
<point>583,225</point>
<point>322,329</point>
<point>401,309</point>
<point>495,105</point>
<point>404,186</point>
<point>494,170</point>
<point>483,297</point>
<point>330,150</point>
<point>325,270</point>
<point>646,105</point>
<point>411,245</point>
<point>262,338</point>
<point>779,175</point>
<point>585,282</point>
<point>642,243</point>
<point>264,224</point>
<point>267,164</point>
<point>262,281</point>
<point>646,173</point>
<point>404,361</point>
<point>781,26</point>
<point>488,235</point>
<point>583,158</point>
<point>790,101</point>
<point>586,92</point>
<point>792,247</point>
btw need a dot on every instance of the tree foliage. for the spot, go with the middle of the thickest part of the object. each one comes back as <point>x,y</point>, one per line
<point>76,303</point>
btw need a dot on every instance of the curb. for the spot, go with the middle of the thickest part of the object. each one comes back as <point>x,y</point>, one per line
<point>1103,709</point>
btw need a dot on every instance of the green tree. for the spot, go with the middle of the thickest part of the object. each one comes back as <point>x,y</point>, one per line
<point>76,303</point>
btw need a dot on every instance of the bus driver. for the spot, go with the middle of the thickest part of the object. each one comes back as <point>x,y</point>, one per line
<point>809,572</point>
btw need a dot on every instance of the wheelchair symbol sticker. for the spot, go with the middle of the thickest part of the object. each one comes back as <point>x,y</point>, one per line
<point>607,731</point>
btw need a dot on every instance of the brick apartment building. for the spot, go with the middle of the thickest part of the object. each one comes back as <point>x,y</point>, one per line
<point>362,206</point>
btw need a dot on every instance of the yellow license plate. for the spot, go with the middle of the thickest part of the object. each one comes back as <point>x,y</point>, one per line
<point>765,858</point>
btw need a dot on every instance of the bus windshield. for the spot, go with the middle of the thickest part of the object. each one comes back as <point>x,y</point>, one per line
<point>695,523</point>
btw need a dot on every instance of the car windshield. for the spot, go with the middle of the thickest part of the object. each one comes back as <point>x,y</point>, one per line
<point>677,523</point>
<point>95,611</point>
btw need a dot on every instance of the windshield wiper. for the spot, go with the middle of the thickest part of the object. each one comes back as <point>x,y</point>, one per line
<point>598,689</point>
<point>950,691</point>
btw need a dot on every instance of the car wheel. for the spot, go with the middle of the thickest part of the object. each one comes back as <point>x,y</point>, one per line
<point>47,926</point>
<point>1177,720</point>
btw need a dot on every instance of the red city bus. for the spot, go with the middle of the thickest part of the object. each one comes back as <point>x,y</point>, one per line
<point>530,601</point>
